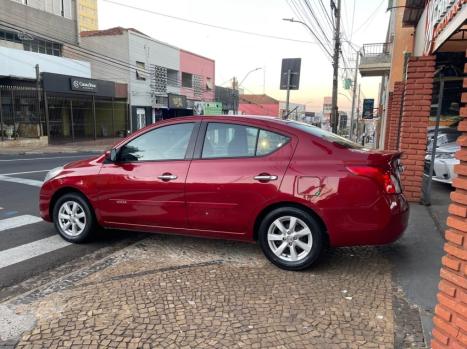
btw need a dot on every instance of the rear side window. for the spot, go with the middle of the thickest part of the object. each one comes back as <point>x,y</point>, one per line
<point>234,141</point>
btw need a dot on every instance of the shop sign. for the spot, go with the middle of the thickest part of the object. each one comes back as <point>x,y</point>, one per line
<point>176,101</point>
<point>439,14</point>
<point>207,108</point>
<point>368,107</point>
<point>83,85</point>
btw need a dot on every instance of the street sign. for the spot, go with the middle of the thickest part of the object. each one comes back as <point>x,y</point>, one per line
<point>368,107</point>
<point>293,65</point>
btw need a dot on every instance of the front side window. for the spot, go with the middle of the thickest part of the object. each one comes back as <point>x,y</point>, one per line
<point>234,141</point>
<point>164,143</point>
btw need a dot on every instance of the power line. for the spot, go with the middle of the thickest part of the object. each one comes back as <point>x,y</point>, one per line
<point>296,11</point>
<point>327,16</point>
<point>370,17</point>
<point>317,21</point>
<point>207,24</point>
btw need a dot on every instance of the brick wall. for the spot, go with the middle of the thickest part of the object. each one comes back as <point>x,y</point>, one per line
<point>394,116</point>
<point>450,318</point>
<point>415,114</point>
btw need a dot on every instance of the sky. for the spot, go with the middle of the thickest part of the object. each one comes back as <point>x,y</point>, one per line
<point>236,54</point>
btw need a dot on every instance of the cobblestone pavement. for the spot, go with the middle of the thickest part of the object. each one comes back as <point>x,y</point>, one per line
<point>178,292</point>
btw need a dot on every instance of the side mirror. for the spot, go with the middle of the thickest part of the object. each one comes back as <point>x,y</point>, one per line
<point>113,155</point>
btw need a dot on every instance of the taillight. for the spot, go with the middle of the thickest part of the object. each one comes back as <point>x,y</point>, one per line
<point>381,176</point>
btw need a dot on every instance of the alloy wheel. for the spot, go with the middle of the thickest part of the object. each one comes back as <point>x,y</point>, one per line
<point>72,218</point>
<point>290,238</point>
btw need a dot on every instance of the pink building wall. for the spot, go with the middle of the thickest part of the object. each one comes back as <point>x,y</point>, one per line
<point>197,65</point>
<point>259,109</point>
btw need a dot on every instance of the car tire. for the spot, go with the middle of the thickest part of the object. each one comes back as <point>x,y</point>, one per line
<point>74,218</point>
<point>304,240</point>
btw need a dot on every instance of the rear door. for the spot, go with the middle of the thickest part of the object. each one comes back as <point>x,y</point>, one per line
<point>237,169</point>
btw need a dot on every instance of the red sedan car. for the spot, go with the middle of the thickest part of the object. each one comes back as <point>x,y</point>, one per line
<point>293,187</point>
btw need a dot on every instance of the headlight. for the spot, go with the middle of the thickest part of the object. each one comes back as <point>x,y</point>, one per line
<point>53,173</point>
<point>445,156</point>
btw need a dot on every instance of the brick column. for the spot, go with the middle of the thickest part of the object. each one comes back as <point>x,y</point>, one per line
<point>415,114</point>
<point>395,115</point>
<point>450,318</point>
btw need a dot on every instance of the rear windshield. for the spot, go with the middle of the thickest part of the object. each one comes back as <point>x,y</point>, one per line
<point>329,136</point>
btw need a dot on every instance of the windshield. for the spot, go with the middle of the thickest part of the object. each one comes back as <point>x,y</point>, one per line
<point>329,136</point>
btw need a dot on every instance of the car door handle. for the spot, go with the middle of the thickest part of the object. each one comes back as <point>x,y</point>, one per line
<point>265,178</point>
<point>167,177</point>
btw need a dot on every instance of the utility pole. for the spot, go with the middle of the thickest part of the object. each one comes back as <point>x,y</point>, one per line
<point>335,63</point>
<point>289,73</point>
<point>354,95</point>
<point>235,96</point>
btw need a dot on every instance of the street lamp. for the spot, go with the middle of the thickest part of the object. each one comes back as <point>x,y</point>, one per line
<point>251,71</point>
<point>236,85</point>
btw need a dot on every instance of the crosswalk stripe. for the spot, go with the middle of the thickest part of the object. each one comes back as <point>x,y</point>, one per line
<point>18,221</point>
<point>24,252</point>
<point>27,181</point>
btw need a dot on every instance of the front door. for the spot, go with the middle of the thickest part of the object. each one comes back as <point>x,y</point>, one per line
<point>146,185</point>
<point>238,172</point>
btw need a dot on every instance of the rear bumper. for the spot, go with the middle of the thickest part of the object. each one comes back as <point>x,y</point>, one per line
<point>383,223</point>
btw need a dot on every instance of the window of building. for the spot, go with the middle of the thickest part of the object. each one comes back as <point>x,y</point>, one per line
<point>172,77</point>
<point>209,84</point>
<point>164,143</point>
<point>187,80</point>
<point>140,71</point>
<point>42,46</point>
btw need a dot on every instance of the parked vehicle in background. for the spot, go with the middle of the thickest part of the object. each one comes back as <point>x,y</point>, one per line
<point>291,186</point>
<point>443,168</point>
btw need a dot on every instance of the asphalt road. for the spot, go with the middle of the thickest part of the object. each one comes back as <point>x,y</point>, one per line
<point>31,253</point>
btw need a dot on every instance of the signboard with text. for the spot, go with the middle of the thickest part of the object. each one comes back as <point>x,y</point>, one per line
<point>368,108</point>
<point>293,65</point>
<point>83,85</point>
<point>177,101</point>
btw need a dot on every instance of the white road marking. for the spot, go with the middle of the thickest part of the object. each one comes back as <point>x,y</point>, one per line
<point>27,181</point>
<point>18,173</point>
<point>18,221</point>
<point>53,157</point>
<point>24,252</point>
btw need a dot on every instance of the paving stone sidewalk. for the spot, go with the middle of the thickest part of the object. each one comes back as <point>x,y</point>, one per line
<point>178,292</point>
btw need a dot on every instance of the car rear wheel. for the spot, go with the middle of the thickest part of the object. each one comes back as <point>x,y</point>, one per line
<point>73,217</point>
<point>291,238</point>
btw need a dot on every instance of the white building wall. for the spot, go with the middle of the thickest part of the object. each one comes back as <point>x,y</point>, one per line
<point>149,51</point>
<point>22,64</point>
<point>115,46</point>
<point>52,6</point>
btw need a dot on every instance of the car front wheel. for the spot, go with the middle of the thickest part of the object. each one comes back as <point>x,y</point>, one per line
<point>291,238</point>
<point>73,217</point>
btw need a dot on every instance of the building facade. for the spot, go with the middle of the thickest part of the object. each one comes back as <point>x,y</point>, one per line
<point>87,15</point>
<point>38,26</point>
<point>37,96</point>
<point>163,80</point>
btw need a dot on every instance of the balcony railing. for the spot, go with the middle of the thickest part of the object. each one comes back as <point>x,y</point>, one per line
<point>376,59</point>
